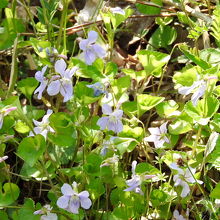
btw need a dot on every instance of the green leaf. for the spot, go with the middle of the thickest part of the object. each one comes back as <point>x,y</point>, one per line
<point>215,122</point>
<point>21,127</point>
<point>117,19</point>
<point>163,36</point>
<point>150,10</point>
<point>3,3</point>
<point>158,197</point>
<point>179,127</point>
<point>203,111</point>
<point>211,55</point>
<point>164,109</point>
<point>197,60</point>
<point>3,215</point>
<point>85,94</point>
<point>27,211</point>
<point>152,61</point>
<point>125,144</point>
<point>27,86</point>
<point>212,141</point>
<point>65,134</point>
<point>146,168</point>
<point>121,85</point>
<point>31,149</point>
<point>147,102</point>
<point>130,108</point>
<point>9,194</point>
<point>215,194</point>
<point>186,76</point>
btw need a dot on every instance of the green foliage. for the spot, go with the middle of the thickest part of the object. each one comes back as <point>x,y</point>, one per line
<point>9,193</point>
<point>153,61</point>
<point>31,149</point>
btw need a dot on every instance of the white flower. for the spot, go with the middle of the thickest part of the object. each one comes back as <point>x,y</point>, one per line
<point>62,83</point>
<point>43,127</point>
<point>183,177</point>
<point>198,89</point>
<point>177,215</point>
<point>39,76</point>
<point>158,136</point>
<point>46,213</point>
<point>72,200</point>
<point>91,49</point>
<point>112,121</point>
<point>135,182</point>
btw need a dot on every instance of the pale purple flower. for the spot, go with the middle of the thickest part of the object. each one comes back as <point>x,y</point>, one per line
<point>198,89</point>
<point>90,49</point>
<point>117,10</point>
<point>3,158</point>
<point>183,178</point>
<point>136,180</point>
<point>72,200</point>
<point>46,213</point>
<point>110,161</point>
<point>177,215</point>
<point>62,83</point>
<point>5,111</point>
<point>39,76</point>
<point>158,136</point>
<point>98,88</point>
<point>112,121</point>
<point>43,127</point>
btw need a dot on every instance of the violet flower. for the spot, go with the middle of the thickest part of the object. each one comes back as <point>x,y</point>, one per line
<point>43,127</point>
<point>112,121</point>
<point>117,10</point>
<point>72,200</point>
<point>5,111</point>
<point>198,89</point>
<point>177,215</point>
<point>158,136</point>
<point>62,83</point>
<point>136,180</point>
<point>90,49</point>
<point>183,178</point>
<point>46,213</point>
<point>39,76</point>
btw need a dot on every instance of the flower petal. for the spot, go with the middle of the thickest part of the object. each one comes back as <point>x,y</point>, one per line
<point>99,51</point>
<point>83,44</point>
<point>106,109</point>
<point>92,36</point>
<point>154,131</point>
<point>39,75</point>
<point>133,167</point>
<point>103,122</point>
<point>89,56</point>
<point>66,91</point>
<point>60,66</point>
<point>54,88</point>
<point>74,206</point>
<point>67,190</point>
<point>63,202</point>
